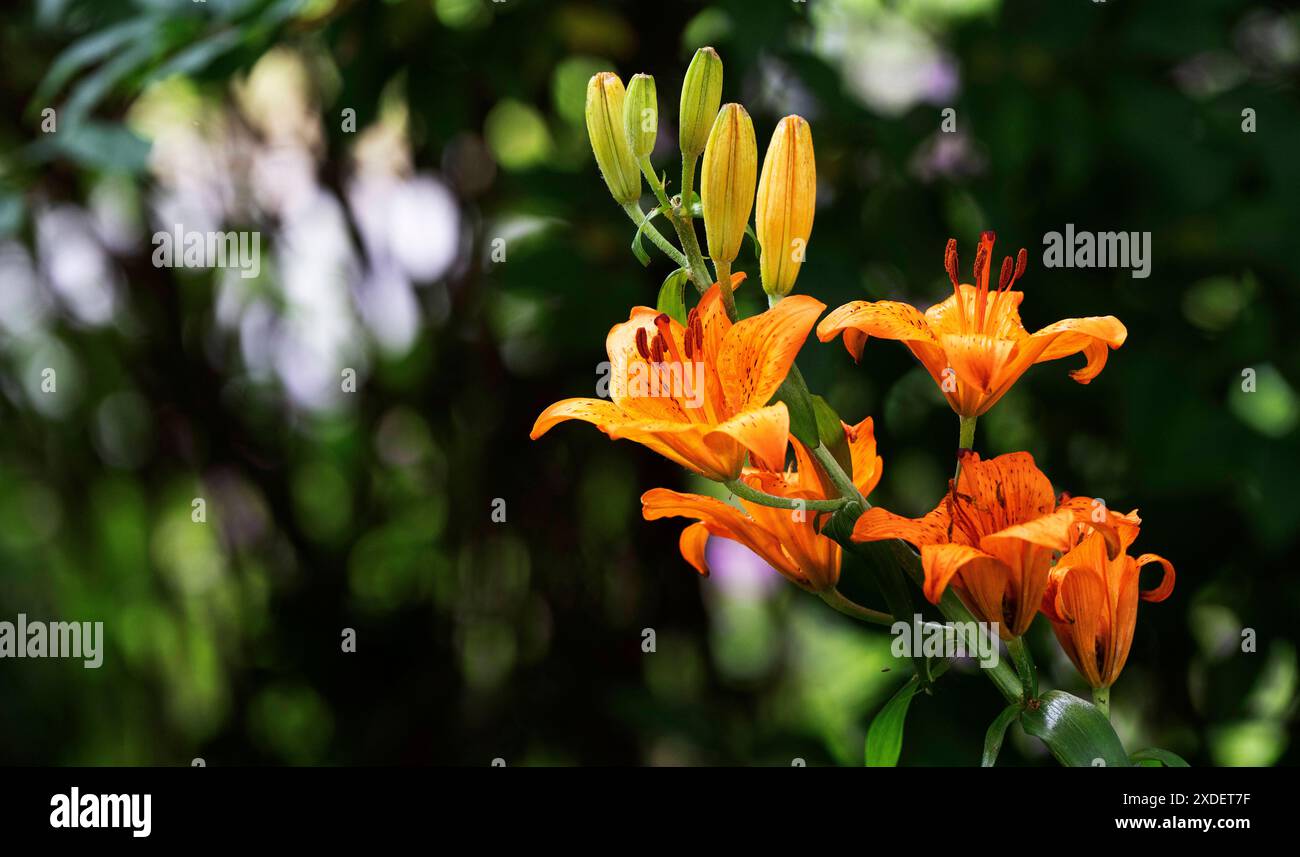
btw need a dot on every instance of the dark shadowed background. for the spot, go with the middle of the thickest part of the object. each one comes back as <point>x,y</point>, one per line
<point>372,510</point>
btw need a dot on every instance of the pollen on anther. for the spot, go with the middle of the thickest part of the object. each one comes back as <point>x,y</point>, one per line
<point>950,260</point>
<point>1004,278</point>
<point>657,349</point>
<point>1022,261</point>
<point>642,343</point>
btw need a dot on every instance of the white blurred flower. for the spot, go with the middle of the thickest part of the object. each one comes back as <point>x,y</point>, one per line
<point>23,308</point>
<point>76,265</point>
<point>887,62</point>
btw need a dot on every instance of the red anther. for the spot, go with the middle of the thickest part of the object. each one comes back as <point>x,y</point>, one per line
<point>642,343</point>
<point>981,261</point>
<point>950,260</point>
<point>657,349</point>
<point>1022,261</point>
<point>1004,278</point>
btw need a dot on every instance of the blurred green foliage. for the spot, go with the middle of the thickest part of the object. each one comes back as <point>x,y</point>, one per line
<point>523,639</point>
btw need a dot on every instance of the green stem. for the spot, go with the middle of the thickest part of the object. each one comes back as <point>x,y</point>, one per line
<point>695,259</point>
<point>966,433</point>
<point>1101,699</point>
<point>722,276</point>
<point>648,170</point>
<point>656,238</point>
<point>1024,665</point>
<point>685,226</point>
<point>835,599</point>
<point>688,183</point>
<point>745,492</point>
<point>1002,676</point>
<point>841,480</point>
<point>965,440</point>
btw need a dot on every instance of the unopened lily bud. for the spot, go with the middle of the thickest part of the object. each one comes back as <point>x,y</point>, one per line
<point>641,115</point>
<point>605,97</point>
<point>701,95</point>
<point>727,181</point>
<point>787,196</point>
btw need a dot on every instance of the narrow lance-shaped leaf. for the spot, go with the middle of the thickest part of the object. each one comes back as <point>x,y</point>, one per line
<point>997,731</point>
<point>885,735</point>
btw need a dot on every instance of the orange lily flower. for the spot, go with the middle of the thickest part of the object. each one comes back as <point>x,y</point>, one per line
<point>786,539</point>
<point>973,343</point>
<point>1092,597</point>
<point>698,393</point>
<point>993,537</point>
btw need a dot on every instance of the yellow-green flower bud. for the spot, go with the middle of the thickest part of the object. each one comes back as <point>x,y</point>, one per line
<point>641,115</point>
<point>605,98</point>
<point>727,182</point>
<point>701,95</point>
<point>787,196</point>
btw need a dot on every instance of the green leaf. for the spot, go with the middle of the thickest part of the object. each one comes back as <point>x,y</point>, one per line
<point>997,731</point>
<point>98,145</point>
<point>885,735</point>
<point>830,431</point>
<point>672,295</point>
<point>197,56</point>
<point>90,49</point>
<point>98,84</point>
<point>798,401</point>
<point>1076,732</point>
<point>1159,757</point>
<point>637,250</point>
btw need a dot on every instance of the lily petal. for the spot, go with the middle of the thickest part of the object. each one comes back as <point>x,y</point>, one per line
<point>879,524</point>
<point>1092,336</point>
<point>765,432</point>
<point>719,519</point>
<point>943,562</point>
<point>693,541</point>
<point>758,351</point>
<point>858,320</point>
<point>867,465</point>
<point>1161,592</point>
<point>598,412</point>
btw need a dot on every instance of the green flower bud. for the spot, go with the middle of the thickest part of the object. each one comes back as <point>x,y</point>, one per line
<point>605,98</point>
<point>727,181</point>
<point>641,115</point>
<point>701,95</point>
<point>787,197</point>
